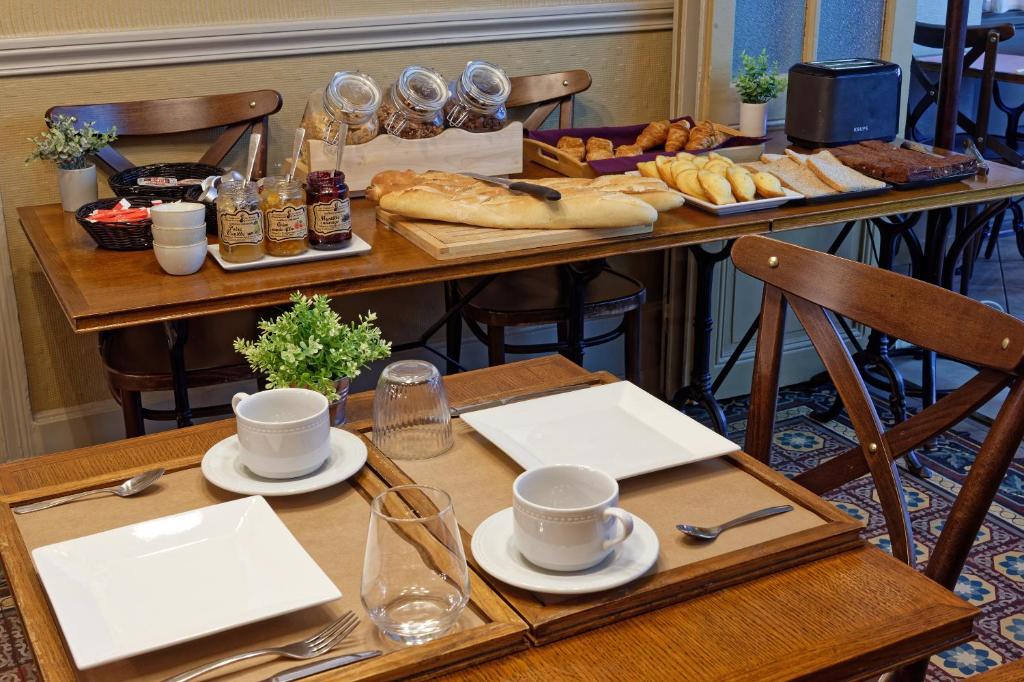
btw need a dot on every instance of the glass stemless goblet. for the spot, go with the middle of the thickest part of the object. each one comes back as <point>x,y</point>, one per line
<point>415,581</point>
<point>411,418</point>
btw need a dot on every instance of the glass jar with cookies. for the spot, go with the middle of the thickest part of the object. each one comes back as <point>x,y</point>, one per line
<point>476,100</point>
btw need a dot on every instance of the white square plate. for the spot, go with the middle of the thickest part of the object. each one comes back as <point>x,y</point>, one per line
<point>143,587</point>
<point>355,247</point>
<point>617,428</point>
<point>742,206</point>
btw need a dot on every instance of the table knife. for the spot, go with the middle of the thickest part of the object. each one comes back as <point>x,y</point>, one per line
<point>539,191</point>
<point>973,150</point>
<point>498,402</point>
<point>301,671</point>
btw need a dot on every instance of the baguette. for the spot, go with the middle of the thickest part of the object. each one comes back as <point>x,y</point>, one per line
<point>652,191</point>
<point>489,206</point>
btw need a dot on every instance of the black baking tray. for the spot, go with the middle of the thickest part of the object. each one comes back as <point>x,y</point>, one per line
<point>917,184</point>
<point>839,196</point>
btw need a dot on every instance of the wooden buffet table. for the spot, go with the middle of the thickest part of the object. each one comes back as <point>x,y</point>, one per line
<point>99,289</point>
<point>853,614</point>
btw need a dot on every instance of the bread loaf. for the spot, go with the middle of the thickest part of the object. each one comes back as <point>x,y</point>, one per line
<point>454,198</point>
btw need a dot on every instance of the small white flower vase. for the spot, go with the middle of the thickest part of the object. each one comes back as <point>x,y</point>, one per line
<point>753,119</point>
<point>77,187</point>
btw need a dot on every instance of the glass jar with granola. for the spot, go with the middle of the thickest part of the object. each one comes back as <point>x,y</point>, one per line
<point>476,100</point>
<point>239,222</point>
<point>284,214</point>
<point>413,106</point>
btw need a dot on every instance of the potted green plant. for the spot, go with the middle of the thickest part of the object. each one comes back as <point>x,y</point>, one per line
<point>70,146</point>
<point>758,84</point>
<point>310,347</point>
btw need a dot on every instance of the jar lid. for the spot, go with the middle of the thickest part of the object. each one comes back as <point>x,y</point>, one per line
<point>353,93</point>
<point>486,82</point>
<point>325,177</point>
<point>424,88</point>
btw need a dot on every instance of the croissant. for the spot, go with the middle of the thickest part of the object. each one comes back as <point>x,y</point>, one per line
<point>678,134</point>
<point>704,136</point>
<point>654,135</point>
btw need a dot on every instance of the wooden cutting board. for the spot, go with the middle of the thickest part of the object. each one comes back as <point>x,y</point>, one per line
<point>445,241</point>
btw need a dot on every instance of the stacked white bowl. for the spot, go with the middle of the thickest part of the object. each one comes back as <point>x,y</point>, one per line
<point>179,236</point>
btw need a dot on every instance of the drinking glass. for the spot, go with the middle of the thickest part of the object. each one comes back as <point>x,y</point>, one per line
<point>415,580</point>
<point>411,418</point>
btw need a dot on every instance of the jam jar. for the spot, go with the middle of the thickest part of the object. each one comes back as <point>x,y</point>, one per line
<point>239,222</point>
<point>330,213</point>
<point>476,100</point>
<point>413,106</point>
<point>284,216</point>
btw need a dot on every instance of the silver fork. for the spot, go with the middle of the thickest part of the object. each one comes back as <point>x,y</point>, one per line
<point>311,647</point>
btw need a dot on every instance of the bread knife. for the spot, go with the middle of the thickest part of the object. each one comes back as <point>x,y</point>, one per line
<point>301,671</point>
<point>539,191</point>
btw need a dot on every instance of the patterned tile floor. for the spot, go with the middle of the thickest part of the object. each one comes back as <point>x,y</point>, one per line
<point>993,578</point>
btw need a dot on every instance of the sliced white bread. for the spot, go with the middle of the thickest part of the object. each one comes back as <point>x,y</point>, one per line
<point>797,156</point>
<point>838,176</point>
<point>794,176</point>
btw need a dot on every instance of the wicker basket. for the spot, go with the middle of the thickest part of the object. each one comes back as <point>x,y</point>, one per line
<point>134,236</point>
<point>192,194</point>
<point>124,183</point>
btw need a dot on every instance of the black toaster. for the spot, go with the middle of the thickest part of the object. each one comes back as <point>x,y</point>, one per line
<point>842,101</point>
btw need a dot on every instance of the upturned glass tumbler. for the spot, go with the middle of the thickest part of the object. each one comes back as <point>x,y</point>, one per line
<point>411,418</point>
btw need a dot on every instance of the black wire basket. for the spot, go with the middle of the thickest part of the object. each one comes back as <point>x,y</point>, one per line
<point>192,194</point>
<point>133,236</point>
<point>125,183</point>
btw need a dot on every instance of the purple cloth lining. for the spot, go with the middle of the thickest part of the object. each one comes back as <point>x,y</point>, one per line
<point>624,135</point>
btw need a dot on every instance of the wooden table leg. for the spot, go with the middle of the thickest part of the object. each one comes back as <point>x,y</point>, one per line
<point>576,277</point>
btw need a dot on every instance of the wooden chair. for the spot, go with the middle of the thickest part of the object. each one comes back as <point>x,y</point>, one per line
<point>136,359</point>
<point>539,297</point>
<point>814,285</point>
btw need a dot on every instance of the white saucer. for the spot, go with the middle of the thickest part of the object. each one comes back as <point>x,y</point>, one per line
<point>222,468</point>
<point>495,552</point>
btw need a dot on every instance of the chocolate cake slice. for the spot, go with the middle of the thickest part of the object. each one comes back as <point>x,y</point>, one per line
<point>899,165</point>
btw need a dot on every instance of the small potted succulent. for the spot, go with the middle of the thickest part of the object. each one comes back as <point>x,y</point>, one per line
<point>70,145</point>
<point>310,347</point>
<point>758,84</point>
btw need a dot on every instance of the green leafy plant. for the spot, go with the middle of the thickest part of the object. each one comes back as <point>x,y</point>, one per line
<point>310,347</point>
<point>759,81</point>
<point>67,144</point>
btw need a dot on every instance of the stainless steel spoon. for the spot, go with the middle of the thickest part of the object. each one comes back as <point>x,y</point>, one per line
<point>710,533</point>
<point>133,486</point>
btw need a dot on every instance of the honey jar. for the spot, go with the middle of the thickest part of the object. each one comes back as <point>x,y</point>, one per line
<point>330,213</point>
<point>284,213</point>
<point>239,222</point>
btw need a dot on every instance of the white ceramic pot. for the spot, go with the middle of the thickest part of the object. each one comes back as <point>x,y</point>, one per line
<point>178,214</point>
<point>753,119</point>
<point>181,260</point>
<point>178,236</point>
<point>77,187</point>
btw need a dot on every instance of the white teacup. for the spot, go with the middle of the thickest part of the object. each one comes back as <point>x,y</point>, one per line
<point>565,516</point>
<point>283,432</point>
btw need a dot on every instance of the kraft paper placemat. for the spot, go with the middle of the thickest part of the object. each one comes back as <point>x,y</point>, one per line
<point>330,524</point>
<point>479,477</point>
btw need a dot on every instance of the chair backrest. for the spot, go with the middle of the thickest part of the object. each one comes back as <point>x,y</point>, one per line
<point>814,284</point>
<point>548,91</point>
<point>238,112</point>
<point>931,35</point>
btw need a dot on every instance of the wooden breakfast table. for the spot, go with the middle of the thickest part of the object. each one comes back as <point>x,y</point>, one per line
<point>851,615</point>
<point>101,290</point>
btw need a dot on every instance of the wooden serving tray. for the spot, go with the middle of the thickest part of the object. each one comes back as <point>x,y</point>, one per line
<point>331,525</point>
<point>445,241</point>
<point>479,478</point>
